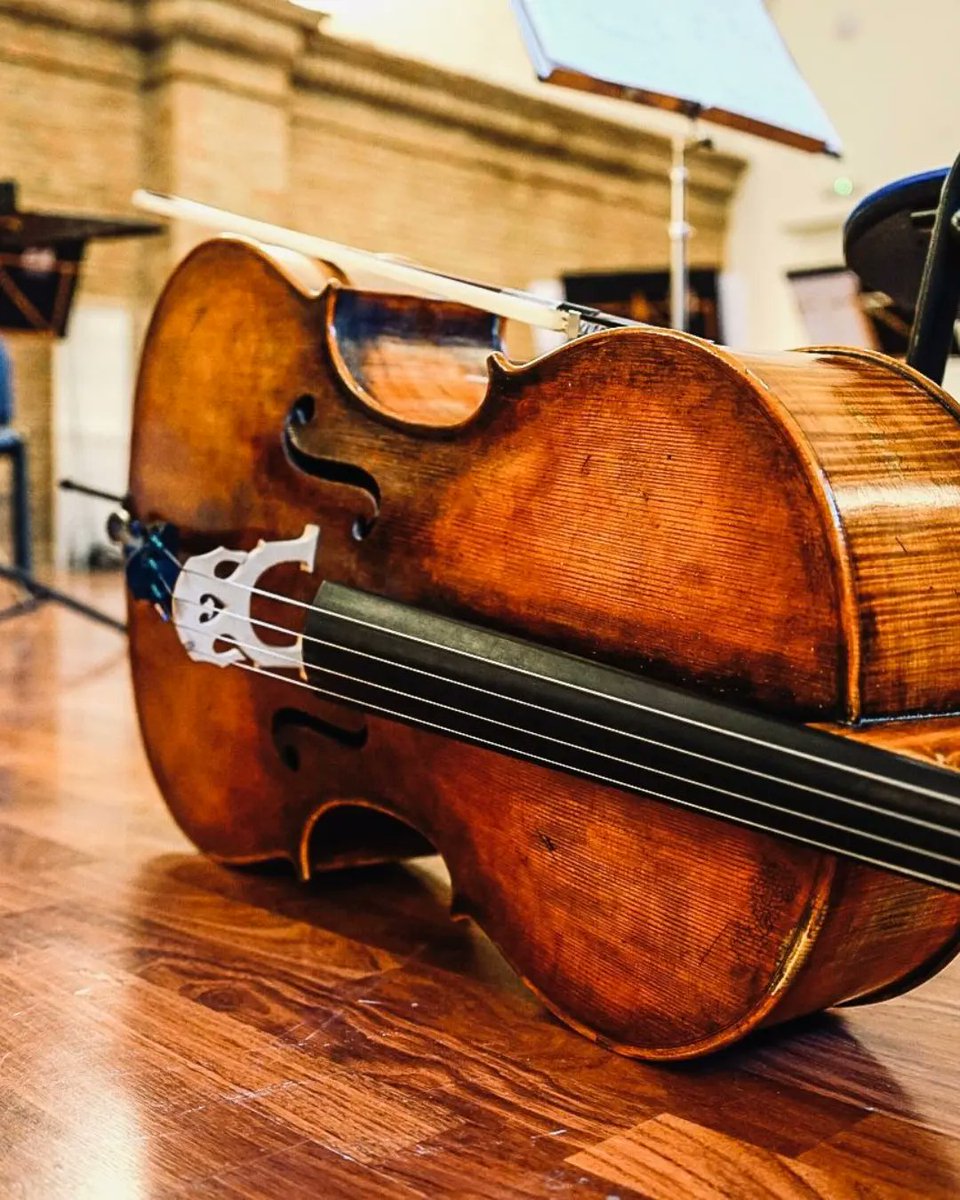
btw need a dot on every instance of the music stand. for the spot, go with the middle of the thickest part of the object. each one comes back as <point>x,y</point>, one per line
<point>722,62</point>
<point>41,254</point>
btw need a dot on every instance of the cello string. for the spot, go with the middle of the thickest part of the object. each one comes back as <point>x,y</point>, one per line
<point>754,824</point>
<point>821,793</point>
<point>820,760</point>
<point>503,747</point>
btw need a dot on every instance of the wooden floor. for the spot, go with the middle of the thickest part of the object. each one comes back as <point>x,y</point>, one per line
<point>170,1028</point>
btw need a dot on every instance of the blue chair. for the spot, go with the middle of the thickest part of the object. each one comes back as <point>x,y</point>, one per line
<point>13,446</point>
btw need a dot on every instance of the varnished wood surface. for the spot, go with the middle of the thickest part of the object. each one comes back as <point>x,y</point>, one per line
<point>638,496</point>
<point>173,1028</point>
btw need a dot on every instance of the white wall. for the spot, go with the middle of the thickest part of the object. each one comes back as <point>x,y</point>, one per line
<point>92,386</point>
<point>885,70</point>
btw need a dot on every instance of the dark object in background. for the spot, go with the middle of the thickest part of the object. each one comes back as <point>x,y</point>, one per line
<point>645,296</point>
<point>6,386</point>
<point>13,446</point>
<point>37,286</point>
<point>886,237</point>
<point>40,258</point>
<point>903,240</point>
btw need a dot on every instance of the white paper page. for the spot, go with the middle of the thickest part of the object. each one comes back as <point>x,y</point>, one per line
<point>830,307</point>
<point>723,54</point>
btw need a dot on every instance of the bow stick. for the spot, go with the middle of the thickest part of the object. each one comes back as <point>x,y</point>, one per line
<point>572,320</point>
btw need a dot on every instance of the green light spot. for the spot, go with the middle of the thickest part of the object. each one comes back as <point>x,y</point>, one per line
<point>843,185</point>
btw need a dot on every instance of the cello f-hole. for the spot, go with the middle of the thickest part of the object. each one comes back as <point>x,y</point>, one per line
<point>286,721</point>
<point>332,470</point>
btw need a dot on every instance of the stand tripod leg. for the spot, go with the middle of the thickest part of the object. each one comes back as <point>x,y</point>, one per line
<point>680,228</point>
<point>40,592</point>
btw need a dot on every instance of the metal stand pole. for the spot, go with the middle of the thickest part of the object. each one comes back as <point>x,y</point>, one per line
<point>679,235</point>
<point>680,229</point>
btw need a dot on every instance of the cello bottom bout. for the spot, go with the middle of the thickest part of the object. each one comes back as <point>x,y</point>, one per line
<point>657,931</point>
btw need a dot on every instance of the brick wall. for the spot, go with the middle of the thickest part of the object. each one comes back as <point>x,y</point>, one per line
<point>243,103</point>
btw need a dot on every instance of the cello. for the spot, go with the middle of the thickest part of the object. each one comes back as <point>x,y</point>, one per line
<point>655,643</point>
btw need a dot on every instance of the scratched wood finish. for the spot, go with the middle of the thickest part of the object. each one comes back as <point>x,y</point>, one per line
<point>639,497</point>
<point>171,1028</point>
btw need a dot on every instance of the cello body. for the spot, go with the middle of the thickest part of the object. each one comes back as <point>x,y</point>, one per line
<point>782,532</point>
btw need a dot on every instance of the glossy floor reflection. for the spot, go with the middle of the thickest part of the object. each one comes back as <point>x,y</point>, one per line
<point>170,1028</point>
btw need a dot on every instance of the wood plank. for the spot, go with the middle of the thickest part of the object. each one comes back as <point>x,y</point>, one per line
<point>670,1157</point>
<point>879,1151</point>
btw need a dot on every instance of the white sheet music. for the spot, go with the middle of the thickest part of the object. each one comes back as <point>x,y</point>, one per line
<point>723,56</point>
